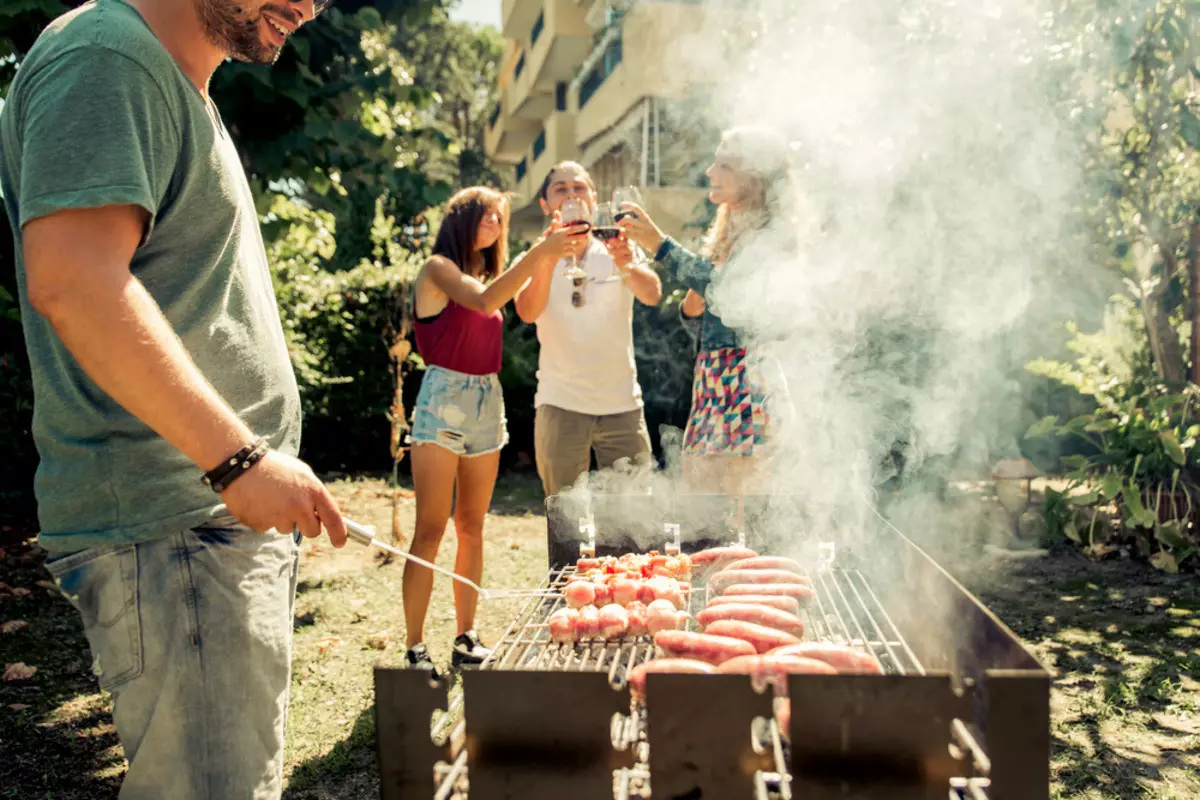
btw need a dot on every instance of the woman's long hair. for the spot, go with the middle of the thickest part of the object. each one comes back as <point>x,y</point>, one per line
<point>460,229</point>
<point>762,155</point>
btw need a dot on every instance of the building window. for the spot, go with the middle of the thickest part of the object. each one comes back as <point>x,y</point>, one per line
<point>521,168</point>
<point>607,64</point>
<point>495,117</point>
<point>537,28</point>
<point>539,145</point>
<point>560,96</point>
<point>520,66</point>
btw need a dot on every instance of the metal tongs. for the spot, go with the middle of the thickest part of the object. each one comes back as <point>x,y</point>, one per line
<point>365,534</point>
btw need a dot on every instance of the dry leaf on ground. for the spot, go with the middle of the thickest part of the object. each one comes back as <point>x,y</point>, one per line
<point>18,671</point>
<point>20,591</point>
<point>18,706</point>
<point>13,625</point>
<point>328,642</point>
<point>379,641</point>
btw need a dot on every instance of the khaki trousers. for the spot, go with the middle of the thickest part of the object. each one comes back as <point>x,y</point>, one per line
<point>564,441</point>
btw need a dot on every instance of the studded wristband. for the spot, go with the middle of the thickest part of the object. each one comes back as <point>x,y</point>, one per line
<point>220,477</point>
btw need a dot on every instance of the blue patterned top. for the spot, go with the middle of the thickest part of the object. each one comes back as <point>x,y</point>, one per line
<point>697,273</point>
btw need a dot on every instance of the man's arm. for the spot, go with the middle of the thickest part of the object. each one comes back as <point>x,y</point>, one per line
<point>78,278</point>
<point>645,283</point>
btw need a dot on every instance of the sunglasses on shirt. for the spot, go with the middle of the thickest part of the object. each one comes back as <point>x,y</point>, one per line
<point>577,295</point>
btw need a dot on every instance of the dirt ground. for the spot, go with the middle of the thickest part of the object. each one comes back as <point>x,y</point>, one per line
<point>1124,642</point>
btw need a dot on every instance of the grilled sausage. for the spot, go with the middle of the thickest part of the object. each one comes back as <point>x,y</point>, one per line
<point>614,622</point>
<point>637,675</point>
<point>759,615</point>
<point>702,646</point>
<point>563,624</point>
<point>580,594</point>
<point>783,714</point>
<point>768,562</point>
<point>788,604</point>
<point>712,555</point>
<point>730,577</point>
<point>661,615</point>
<point>839,656</point>
<point>773,670</point>
<point>637,619</point>
<point>760,637</point>
<point>588,626</point>
<point>801,593</point>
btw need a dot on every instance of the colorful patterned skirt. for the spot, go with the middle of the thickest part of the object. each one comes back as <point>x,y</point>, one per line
<point>729,414</point>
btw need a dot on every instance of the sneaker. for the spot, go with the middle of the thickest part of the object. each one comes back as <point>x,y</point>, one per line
<point>418,658</point>
<point>468,650</point>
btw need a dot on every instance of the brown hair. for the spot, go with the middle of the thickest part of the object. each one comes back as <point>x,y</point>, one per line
<point>460,228</point>
<point>587,176</point>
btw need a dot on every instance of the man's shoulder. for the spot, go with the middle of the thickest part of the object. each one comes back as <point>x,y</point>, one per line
<point>98,29</point>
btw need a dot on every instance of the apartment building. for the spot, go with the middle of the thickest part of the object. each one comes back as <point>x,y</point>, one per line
<point>617,85</point>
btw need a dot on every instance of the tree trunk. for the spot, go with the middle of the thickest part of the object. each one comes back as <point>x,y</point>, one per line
<point>1193,268</point>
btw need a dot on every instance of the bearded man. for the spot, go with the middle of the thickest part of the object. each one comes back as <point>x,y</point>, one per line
<point>166,411</point>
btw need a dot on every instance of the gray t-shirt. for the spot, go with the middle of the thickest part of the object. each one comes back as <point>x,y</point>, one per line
<point>101,114</point>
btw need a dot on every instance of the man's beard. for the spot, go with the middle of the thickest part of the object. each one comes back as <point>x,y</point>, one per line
<point>238,37</point>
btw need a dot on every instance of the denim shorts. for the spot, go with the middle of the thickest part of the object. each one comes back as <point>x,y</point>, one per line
<point>462,413</point>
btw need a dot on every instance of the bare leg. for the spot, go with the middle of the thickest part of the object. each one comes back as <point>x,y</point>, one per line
<point>476,480</point>
<point>433,469</point>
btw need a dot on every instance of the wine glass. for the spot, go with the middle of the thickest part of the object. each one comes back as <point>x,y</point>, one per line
<point>604,224</point>
<point>574,211</point>
<point>628,194</point>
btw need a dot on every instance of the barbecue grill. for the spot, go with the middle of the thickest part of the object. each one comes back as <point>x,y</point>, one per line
<point>963,710</point>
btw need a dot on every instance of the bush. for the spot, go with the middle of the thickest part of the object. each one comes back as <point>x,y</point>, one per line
<point>16,393</point>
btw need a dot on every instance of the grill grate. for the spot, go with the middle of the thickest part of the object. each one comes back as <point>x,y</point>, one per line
<point>846,611</point>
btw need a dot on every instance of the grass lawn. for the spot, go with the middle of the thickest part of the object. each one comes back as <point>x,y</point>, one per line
<point>1124,643</point>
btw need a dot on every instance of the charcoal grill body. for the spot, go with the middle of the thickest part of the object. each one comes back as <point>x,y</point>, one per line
<point>965,704</point>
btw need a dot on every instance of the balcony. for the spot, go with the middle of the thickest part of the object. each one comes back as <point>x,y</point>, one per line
<point>559,40</point>
<point>507,138</point>
<point>645,57</point>
<point>517,16</point>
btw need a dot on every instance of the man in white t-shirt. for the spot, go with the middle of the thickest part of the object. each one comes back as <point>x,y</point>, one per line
<point>588,398</point>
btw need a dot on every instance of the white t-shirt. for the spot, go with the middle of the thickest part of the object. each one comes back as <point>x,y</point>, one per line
<point>586,362</point>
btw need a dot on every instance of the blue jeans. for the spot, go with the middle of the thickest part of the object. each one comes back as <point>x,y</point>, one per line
<point>192,636</point>
<point>462,413</point>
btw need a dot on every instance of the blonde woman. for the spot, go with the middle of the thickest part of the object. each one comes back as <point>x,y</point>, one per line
<point>727,429</point>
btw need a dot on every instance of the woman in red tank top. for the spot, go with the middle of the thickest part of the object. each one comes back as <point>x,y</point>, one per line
<point>458,421</point>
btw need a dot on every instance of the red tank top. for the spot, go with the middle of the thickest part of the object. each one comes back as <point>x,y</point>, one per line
<point>462,340</point>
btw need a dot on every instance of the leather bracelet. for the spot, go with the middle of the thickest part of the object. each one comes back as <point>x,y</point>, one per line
<point>219,478</point>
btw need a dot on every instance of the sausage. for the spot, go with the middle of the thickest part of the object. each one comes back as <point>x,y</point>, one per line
<point>588,626</point>
<point>768,562</point>
<point>714,554</point>
<point>773,670</point>
<point>800,592</point>
<point>702,646</point>
<point>661,615</point>
<point>783,603</point>
<point>760,637</point>
<point>563,625</point>
<point>614,622</point>
<point>839,656</point>
<point>637,619</point>
<point>580,594</point>
<point>759,615</point>
<point>637,675</point>
<point>730,577</point>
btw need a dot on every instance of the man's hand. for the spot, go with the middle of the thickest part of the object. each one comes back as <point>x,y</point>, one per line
<point>621,252</point>
<point>282,492</point>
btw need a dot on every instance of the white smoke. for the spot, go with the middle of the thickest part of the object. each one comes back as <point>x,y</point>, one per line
<point>936,175</point>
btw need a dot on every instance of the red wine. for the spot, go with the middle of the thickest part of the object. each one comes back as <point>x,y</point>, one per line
<point>606,232</point>
<point>620,215</point>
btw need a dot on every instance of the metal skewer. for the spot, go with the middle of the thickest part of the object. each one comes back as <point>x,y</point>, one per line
<point>365,535</point>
